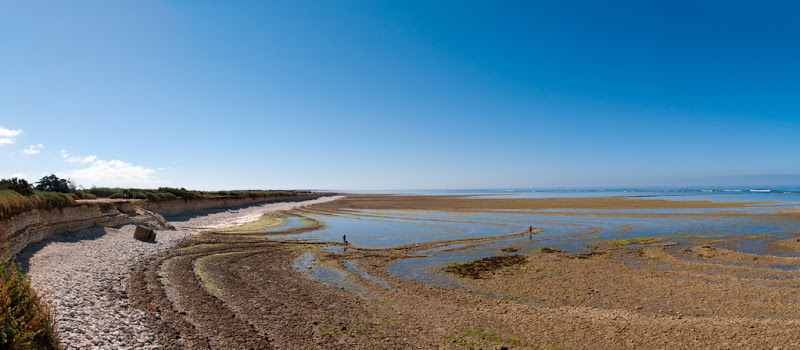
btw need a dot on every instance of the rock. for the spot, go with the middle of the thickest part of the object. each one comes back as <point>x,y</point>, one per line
<point>144,234</point>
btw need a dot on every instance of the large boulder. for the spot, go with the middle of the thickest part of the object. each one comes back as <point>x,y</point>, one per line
<point>144,234</point>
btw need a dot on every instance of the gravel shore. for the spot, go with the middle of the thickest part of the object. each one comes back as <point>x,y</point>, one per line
<point>84,275</point>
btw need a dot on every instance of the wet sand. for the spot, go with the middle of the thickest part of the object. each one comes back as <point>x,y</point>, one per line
<point>240,290</point>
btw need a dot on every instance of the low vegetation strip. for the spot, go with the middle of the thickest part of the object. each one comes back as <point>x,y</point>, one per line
<point>18,196</point>
<point>165,193</point>
<point>13,203</point>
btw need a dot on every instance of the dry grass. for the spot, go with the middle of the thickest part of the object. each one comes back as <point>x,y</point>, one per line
<point>12,203</point>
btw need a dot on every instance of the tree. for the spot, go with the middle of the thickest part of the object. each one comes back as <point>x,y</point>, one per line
<point>20,185</point>
<point>52,183</point>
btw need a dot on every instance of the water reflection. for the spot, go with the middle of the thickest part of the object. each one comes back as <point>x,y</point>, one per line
<point>289,222</point>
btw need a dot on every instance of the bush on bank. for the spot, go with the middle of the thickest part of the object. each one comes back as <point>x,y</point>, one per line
<point>17,185</point>
<point>25,320</point>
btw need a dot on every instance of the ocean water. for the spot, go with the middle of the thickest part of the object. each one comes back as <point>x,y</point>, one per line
<point>789,194</point>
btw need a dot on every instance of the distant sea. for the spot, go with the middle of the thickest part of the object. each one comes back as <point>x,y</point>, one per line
<point>782,194</point>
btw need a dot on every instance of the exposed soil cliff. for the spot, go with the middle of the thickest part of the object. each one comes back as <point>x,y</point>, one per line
<point>33,226</point>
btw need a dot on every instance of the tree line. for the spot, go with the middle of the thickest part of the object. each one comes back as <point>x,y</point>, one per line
<point>49,183</point>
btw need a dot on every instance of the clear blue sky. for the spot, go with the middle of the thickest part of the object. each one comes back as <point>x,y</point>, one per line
<point>398,94</point>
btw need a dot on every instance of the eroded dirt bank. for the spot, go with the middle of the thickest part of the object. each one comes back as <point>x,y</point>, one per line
<point>238,290</point>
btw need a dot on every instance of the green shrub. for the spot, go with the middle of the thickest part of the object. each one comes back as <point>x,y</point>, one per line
<point>165,195</point>
<point>254,193</point>
<point>85,195</point>
<point>104,192</point>
<point>181,192</point>
<point>25,320</point>
<point>137,195</point>
<point>17,185</point>
<point>153,196</point>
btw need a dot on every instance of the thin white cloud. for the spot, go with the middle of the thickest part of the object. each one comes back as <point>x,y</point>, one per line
<point>113,172</point>
<point>33,149</point>
<point>87,159</point>
<point>73,159</point>
<point>8,136</point>
<point>18,175</point>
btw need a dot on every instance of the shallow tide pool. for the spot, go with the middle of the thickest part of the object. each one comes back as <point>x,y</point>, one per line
<point>577,232</point>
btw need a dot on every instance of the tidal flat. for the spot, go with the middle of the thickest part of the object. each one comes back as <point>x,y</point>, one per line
<point>470,272</point>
